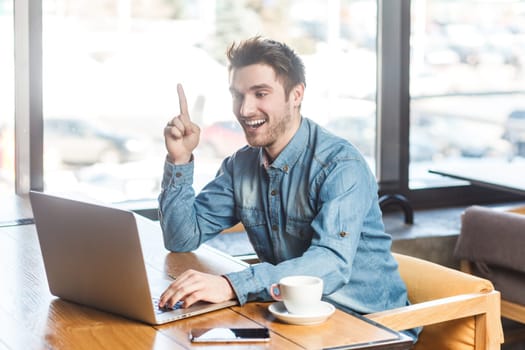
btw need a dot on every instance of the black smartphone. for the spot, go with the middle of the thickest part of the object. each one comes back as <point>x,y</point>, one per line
<point>229,335</point>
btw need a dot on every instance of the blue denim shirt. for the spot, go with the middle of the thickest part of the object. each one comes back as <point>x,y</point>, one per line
<point>313,211</point>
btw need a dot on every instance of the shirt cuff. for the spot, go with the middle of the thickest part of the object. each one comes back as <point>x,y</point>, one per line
<point>175,175</point>
<point>239,281</point>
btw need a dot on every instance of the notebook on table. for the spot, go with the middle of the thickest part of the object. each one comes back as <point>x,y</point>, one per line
<point>93,256</point>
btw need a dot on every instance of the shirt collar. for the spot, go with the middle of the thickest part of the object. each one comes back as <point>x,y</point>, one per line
<point>290,154</point>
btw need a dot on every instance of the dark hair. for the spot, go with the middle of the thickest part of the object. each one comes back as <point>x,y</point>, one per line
<point>288,67</point>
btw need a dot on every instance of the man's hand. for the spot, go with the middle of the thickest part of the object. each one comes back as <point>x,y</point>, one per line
<point>192,286</point>
<point>181,135</point>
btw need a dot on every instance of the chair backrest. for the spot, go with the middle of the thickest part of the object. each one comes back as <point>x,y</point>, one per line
<point>492,237</point>
<point>490,245</point>
<point>427,282</point>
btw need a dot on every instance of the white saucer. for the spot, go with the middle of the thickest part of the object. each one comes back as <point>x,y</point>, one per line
<point>279,311</point>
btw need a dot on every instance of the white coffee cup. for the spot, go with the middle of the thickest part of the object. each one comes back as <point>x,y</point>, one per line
<point>301,295</point>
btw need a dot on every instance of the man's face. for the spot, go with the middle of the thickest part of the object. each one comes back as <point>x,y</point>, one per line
<point>269,119</point>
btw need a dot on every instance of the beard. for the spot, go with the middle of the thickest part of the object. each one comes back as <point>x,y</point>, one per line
<point>272,131</point>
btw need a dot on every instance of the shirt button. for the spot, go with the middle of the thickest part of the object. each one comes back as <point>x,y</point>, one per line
<point>274,192</point>
<point>178,174</point>
<point>274,228</point>
<point>342,234</point>
<point>285,168</point>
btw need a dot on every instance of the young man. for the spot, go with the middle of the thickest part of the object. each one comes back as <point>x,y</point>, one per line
<point>307,198</point>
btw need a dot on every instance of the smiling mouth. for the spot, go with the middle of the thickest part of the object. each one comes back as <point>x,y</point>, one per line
<point>253,124</point>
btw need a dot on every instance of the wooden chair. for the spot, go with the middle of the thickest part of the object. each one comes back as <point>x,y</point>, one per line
<point>457,310</point>
<point>490,245</point>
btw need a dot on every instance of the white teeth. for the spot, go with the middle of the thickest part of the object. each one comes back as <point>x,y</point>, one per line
<point>254,122</point>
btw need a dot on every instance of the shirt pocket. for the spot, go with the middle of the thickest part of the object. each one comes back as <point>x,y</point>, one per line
<point>299,228</point>
<point>251,217</point>
<point>254,222</point>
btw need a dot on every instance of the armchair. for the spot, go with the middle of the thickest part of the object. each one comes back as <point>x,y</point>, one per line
<point>457,310</point>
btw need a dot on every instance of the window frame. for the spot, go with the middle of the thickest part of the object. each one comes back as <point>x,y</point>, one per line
<point>393,119</point>
<point>29,136</point>
<point>393,112</point>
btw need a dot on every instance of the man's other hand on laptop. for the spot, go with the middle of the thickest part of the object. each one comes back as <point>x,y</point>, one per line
<point>192,286</point>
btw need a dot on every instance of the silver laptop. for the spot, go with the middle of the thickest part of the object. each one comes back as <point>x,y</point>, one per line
<point>92,256</point>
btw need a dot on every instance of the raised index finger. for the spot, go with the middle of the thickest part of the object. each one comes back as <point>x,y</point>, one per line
<point>183,104</point>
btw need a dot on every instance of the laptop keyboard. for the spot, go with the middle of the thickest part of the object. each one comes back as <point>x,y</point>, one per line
<point>159,310</point>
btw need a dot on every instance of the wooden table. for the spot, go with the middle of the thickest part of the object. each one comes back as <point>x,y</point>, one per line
<point>31,318</point>
<point>502,176</point>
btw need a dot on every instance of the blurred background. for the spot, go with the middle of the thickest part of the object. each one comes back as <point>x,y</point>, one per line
<point>110,69</point>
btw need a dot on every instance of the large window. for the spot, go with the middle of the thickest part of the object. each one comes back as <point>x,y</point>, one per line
<point>467,86</point>
<point>111,69</point>
<point>7,86</point>
<point>413,84</point>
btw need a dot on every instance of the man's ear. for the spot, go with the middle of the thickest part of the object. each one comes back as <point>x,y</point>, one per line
<point>297,95</point>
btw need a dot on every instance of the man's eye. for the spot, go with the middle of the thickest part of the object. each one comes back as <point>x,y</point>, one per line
<point>261,94</point>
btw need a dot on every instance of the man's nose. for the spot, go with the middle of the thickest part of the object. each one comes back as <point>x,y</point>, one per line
<point>248,107</point>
